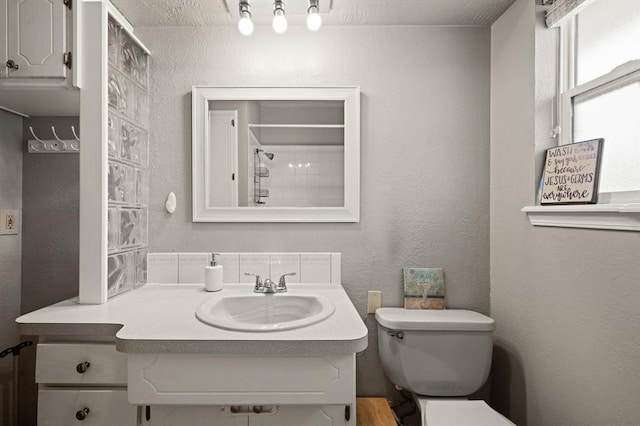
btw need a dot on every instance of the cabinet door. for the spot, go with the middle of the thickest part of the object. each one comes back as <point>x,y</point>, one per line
<point>59,407</point>
<point>327,415</point>
<point>181,415</point>
<point>36,37</point>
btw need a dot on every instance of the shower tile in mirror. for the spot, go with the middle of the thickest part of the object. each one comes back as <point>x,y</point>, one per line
<point>122,273</point>
<point>113,123</point>
<point>121,183</point>
<point>133,143</point>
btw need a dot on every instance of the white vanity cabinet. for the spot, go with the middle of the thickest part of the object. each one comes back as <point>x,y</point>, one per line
<point>83,383</point>
<point>36,42</point>
<point>268,415</point>
<point>169,369</point>
<point>247,390</point>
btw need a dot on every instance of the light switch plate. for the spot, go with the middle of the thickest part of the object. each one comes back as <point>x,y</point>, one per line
<point>374,301</point>
<point>8,222</point>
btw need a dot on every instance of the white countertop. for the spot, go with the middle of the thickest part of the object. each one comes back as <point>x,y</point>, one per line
<point>161,318</point>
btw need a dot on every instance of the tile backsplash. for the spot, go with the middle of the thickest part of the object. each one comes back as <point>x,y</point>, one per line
<point>188,268</point>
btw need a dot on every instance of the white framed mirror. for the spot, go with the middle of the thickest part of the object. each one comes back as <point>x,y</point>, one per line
<point>276,154</point>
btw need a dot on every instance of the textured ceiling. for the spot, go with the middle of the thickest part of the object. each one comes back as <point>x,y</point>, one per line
<point>170,13</point>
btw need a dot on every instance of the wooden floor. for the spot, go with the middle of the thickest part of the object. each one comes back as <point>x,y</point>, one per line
<point>374,412</point>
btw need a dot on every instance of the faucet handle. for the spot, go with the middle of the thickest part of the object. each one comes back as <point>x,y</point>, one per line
<point>258,285</point>
<point>282,282</point>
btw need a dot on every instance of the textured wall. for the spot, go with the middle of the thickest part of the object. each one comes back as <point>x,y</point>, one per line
<point>425,151</point>
<point>565,301</point>
<point>50,237</point>
<point>10,252</point>
<point>51,214</point>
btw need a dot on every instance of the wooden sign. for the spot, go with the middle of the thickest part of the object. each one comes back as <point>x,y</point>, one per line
<point>571,173</point>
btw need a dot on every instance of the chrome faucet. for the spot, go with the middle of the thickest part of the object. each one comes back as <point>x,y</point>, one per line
<point>282,283</point>
<point>269,287</point>
<point>258,286</point>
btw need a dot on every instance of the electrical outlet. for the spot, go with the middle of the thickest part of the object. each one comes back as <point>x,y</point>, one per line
<point>374,301</point>
<point>8,222</point>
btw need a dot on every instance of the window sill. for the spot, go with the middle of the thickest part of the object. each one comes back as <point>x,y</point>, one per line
<point>618,217</point>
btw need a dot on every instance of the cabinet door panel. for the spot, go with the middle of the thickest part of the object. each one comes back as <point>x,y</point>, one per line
<point>240,379</point>
<point>58,407</point>
<point>174,415</point>
<point>36,37</point>
<point>328,415</point>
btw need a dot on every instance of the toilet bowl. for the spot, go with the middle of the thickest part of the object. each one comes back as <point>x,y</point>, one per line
<point>443,412</point>
<point>440,356</point>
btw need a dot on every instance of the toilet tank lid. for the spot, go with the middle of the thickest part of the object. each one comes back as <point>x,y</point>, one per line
<point>432,319</point>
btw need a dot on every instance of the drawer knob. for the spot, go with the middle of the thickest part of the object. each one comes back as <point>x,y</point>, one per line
<point>235,409</point>
<point>83,367</point>
<point>82,414</point>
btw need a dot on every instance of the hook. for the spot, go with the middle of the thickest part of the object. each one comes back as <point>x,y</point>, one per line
<point>55,135</point>
<point>35,137</point>
<point>75,135</point>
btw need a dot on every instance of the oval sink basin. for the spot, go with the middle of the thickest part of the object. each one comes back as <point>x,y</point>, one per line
<point>265,312</point>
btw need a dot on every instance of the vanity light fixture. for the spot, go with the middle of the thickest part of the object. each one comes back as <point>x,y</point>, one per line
<point>279,20</point>
<point>245,25</point>
<point>314,21</point>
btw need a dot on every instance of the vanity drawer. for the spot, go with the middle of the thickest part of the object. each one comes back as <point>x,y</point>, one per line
<point>85,407</point>
<point>65,363</point>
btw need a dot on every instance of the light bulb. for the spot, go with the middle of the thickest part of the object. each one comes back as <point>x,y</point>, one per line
<point>245,25</point>
<point>279,22</point>
<point>314,21</point>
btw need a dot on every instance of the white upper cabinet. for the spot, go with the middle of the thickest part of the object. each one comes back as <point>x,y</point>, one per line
<point>36,38</point>
<point>38,56</point>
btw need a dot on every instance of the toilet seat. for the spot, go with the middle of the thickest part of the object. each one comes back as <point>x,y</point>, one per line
<point>443,412</point>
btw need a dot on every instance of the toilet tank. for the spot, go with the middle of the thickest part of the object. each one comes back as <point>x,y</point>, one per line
<point>435,352</point>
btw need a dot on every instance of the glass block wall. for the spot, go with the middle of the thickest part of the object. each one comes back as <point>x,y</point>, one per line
<point>128,150</point>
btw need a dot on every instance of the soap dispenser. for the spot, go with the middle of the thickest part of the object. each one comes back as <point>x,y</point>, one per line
<point>213,275</point>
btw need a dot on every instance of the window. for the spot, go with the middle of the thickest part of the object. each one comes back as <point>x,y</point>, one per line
<point>608,35</point>
<point>599,98</point>
<point>604,102</point>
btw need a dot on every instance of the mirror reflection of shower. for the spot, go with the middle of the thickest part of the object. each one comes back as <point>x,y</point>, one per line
<point>260,171</point>
<point>267,154</point>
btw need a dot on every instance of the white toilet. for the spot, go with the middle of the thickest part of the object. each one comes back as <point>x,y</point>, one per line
<point>439,355</point>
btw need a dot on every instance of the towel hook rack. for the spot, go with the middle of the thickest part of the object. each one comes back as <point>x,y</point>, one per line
<point>55,145</point>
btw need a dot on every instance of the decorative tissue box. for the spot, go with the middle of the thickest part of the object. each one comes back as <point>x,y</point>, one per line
<point>424,288</point>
